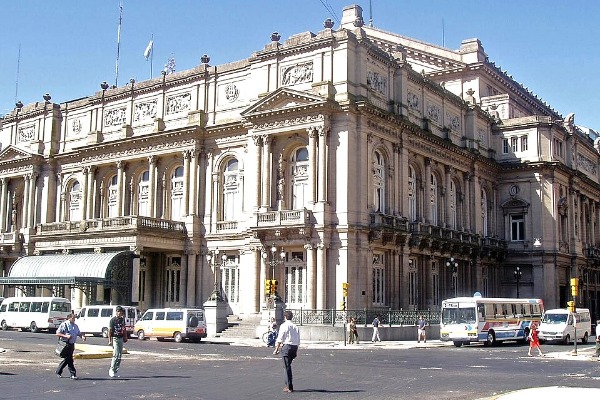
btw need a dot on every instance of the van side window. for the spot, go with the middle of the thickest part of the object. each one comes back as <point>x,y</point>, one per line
<point>25,306</point>
<point>175,316</point>
<point>36,306</point>
<point>45,306</point>
<point>3,308</point>
<point>60,306</point>
<point>148,316</point>
<point>106,312</point>
<point>13,307</point>
<point>160,315</point>
<point>93,312</point>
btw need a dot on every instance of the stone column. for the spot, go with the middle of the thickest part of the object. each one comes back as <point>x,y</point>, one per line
<point>186,181</point>
<point>321,276</point>
<point>193,184</point>
<point>91,192</point>
<point>257,163</point>
<point>3,203</point>
<point>119,188</point>
<point>322,164</point>
<point>467,206</point>
<point>427,190</point>
<point>31,207</point>
<point>312,162</point>
<point>152,186</point>
<point>448,197</point>
<point>84,192</point>
<point>311,276</point>
<point>191,278</point>
<point>266,173</point>
<point>25,200</point>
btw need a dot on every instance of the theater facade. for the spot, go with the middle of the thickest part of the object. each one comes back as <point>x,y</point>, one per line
<point>352,155</point>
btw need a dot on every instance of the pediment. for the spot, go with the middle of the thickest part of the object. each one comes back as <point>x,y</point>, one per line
<point>13,153</point>
<point>515,203</point>
<point>283,99</point>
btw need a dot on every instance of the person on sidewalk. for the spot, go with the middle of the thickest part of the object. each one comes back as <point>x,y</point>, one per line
<point>376,324</point>
<point>117,335</point>
<point>421,333</point>
<point>288,341</point>
<point>68,331</point>
<point>534,340</point>
<point>597,353</point>
<point>352,331</point>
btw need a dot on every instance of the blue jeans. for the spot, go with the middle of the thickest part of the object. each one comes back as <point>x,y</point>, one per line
<point>117,343</point>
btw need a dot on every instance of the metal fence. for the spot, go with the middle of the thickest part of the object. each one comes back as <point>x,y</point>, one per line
<point>364,317</point>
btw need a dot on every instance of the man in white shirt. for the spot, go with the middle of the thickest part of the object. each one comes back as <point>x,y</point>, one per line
<point>288,341</point>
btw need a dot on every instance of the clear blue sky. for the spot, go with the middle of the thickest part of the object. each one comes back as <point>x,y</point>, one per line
<point>69,47</point>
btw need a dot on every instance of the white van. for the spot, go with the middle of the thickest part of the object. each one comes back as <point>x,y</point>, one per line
<point>34,313</point>
<point>176,323</point>
<point>558,324</point>
<point>96,319</point>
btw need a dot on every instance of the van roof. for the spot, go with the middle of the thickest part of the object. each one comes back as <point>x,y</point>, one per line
<point>566,311</point>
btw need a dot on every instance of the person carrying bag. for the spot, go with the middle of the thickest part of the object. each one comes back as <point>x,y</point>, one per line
<point>67,334</point>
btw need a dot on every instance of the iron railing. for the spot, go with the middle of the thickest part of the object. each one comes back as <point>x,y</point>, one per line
<point>303,316</point>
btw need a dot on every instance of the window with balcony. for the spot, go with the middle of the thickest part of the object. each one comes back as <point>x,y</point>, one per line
<point>379,182</point>
<point>299,177</point>
<point>177,195</point>
<point>412,194</point>
<point>143,201</point>
<point>112,196</point>
<point>231,191</point>
<point>74,199</point>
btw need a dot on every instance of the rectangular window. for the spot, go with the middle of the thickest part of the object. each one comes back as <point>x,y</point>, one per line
<point>514,144</point>
<point>524,143</point>
<point>93,312</point>
<point>106,312</point>
<point>505,146</point>
<point>413,292</point>
<point>517,227</point>
<point>378,280</point>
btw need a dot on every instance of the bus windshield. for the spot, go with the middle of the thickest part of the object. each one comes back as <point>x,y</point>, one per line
<point>458,315</point>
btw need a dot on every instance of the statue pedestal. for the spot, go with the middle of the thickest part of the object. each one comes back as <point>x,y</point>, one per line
<point>215,312</point>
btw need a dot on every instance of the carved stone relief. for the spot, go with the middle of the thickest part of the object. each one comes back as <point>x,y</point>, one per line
<point>299,73</point>
<point>377,82</point>
<point>145,111</point>
<point>179,103</point>
<point>114,117</point>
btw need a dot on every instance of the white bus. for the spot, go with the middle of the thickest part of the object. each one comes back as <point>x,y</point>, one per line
<point>488,320</point>
<point>34,313</point>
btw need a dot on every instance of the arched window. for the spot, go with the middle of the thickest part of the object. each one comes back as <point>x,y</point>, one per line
<point>433,199</point>
<point>452,216</point>
<point>113,190</point>
<point>144,195</point>
<point>412,195</point>
<point>484,214</point>
<point>231,191</point>
<point>299,176</point>
<point>379,182</point>
<point>177,196</point>
<point>74,200</point>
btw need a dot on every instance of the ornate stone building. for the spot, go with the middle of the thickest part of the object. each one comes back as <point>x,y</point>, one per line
<point>411,171</point>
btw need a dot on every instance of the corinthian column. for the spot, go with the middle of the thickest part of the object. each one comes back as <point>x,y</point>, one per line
<point>266,171</point>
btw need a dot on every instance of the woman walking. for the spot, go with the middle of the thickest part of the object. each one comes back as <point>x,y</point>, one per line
<point>534,340</point>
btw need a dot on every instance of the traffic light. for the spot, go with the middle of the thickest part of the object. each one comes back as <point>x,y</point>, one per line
<point>574,286</point>
<point>343,305</point>
<point>571,306</point>
<point>268,287</point>
<point>274,286</point>
<point>345,286</point>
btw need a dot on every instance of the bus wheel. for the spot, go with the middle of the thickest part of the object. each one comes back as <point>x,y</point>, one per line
<point>178,337</point>
<point>33,327</point>
<point>458,344</point>
<point>491,339</point>
<point>4,326</point>
<point>584,339</point>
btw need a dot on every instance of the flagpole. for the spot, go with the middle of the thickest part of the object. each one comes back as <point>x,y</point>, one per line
<point>118,43</point>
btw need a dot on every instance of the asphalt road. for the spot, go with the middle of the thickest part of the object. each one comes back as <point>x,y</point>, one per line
<point>214,371</point>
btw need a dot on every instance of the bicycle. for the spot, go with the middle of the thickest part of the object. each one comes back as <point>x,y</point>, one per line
<point>269,337</point>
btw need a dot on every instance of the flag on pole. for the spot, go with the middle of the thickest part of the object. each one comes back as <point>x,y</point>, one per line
<point>148,50</point>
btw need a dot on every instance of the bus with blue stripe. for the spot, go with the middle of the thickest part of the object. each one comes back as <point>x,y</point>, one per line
<point>466,320</point>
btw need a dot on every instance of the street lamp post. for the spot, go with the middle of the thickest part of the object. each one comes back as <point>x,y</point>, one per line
<point>216,295</point>
<point>451,263</point>
<point>273,261</point>
<point>518,273</point>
